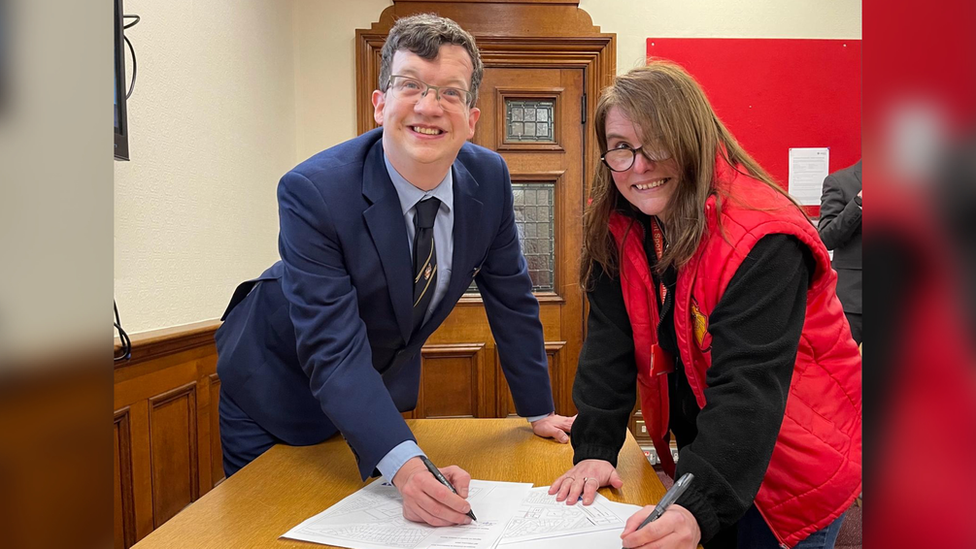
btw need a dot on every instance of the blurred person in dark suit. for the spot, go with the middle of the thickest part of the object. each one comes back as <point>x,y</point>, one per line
<point>840,229</point>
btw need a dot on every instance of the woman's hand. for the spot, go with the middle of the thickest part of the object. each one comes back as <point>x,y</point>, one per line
<point>584,479</point>
<point>676,529</point>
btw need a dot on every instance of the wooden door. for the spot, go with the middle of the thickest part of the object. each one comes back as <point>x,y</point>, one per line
<point>533,118</point>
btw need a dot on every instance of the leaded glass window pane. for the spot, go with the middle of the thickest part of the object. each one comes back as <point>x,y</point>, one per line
<point>529,121</point>
<point>534,221</point>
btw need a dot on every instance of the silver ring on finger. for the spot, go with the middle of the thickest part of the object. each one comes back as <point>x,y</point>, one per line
<point>588,478</point>
<point>574,478</point>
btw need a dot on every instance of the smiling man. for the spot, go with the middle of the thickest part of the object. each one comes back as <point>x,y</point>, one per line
<point>379,238</point>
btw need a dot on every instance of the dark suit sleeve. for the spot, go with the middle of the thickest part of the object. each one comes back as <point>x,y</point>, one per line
<point>329,332</point>
<point>513,313</point>
<point>840,216</point>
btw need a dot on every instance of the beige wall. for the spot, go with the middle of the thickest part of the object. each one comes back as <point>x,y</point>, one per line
<point>213,132</point>
<point>212,123</point>
<point>325,61</point>
<point>635,21</point>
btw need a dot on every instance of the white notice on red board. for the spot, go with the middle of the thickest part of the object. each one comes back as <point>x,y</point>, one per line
<point>808,168</point>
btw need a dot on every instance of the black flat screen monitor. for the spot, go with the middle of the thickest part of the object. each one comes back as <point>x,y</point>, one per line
<point>121,124</point>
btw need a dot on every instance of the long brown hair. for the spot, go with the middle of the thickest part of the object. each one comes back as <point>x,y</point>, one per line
<point>669,107</point>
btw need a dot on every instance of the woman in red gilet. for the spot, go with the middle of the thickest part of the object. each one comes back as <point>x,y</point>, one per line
<point>712,298</point>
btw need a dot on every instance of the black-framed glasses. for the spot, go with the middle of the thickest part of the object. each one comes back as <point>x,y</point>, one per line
<point>622,158</point>
<point>410,88</point>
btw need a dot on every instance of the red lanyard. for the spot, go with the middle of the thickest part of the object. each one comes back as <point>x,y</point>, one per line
<point>661,361</point>
<point>657,235</point>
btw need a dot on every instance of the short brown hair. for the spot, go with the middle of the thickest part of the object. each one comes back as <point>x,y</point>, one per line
<point>423,35</point>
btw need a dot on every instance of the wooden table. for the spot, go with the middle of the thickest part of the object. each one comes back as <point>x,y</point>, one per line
<point>289,484</point>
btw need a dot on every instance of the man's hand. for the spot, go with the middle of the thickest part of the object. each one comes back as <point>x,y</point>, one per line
<point>554,426</point>
<point>584,479</point>
<point>676,529</point>
<point>429,501</point>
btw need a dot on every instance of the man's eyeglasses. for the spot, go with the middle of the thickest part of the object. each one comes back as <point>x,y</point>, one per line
<point>622,158</point>
<point>409,88</point>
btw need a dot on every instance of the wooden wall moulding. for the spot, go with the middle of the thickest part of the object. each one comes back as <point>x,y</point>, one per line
<point>158,343</point>
<point>506,406</point>
<point>451,382</point>
<point>167,448</point>
<point>125,517</point>
<point>173,442</point>
<point>216,452</point>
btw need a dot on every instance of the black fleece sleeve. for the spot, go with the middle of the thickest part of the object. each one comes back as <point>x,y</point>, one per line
<point>755,331</point>
<point>605,388</point>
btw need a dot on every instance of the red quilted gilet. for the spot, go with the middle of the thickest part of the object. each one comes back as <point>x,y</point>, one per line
<point>815,470</point>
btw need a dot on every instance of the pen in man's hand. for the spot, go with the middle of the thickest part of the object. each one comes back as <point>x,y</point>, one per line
<point>669,498</point>
<point>443,480</point>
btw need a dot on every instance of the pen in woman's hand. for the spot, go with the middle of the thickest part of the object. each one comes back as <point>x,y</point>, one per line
<point>669,498</point>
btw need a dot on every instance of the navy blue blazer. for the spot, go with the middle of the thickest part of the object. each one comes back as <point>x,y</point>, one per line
<point>322,341</point>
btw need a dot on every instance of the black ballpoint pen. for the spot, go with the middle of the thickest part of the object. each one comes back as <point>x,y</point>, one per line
<point>443,480</point>
<point>669,498</point>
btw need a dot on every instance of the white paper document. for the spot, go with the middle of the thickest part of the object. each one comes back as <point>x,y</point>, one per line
<point>808,168</point>
<point>542,522</point>
<point>540,516</point>
<point>372,518</point>
<point>606,539</point>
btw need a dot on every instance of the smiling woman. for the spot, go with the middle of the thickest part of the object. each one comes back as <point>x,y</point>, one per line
<point>663,108</point>
<point>709,287</point>
<point>646,180</point>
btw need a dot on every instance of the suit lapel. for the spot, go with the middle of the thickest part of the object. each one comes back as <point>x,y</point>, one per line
<point>467,223</point>
<point>385,222</point>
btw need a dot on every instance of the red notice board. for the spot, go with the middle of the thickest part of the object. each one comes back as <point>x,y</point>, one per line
<point>774,94</point>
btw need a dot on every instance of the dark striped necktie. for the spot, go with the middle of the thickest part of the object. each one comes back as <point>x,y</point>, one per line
<point>424,259</point>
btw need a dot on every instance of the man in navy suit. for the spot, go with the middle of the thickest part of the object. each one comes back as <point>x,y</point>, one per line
<point>379,238</point>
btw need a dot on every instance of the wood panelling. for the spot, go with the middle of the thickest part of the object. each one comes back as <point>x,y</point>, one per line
<point>122,487</point>
<point>159,343</point>
<point>173,443</point>
<point>165,425</point>
<point>451,381</point>
<point>216,459</point>
<point>506,406</point>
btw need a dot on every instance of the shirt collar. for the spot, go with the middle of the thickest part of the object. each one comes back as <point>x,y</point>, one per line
<point>410,195</point>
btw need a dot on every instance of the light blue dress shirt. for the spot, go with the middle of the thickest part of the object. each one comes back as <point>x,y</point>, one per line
<point>444,248</point>
<point>443,225</point>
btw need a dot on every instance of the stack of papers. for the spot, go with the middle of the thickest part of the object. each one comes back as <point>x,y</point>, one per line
<point>509,515</point>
